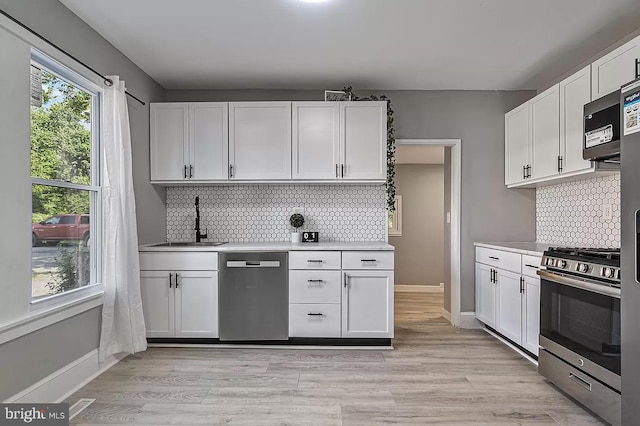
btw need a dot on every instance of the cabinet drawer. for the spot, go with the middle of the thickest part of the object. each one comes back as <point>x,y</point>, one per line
<point>179,261</point>
<point>367,260</point>
<point>499,259</point>
<point>314,286</point>
<point>314,320</point>
<point>314,260</point>
<point>530,265</point>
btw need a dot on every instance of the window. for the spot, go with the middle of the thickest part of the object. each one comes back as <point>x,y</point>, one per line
<point>395,218</point>
<point>65,173</point>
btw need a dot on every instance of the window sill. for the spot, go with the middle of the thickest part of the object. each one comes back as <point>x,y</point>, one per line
<point>51,310</point>
<point>65,298</point>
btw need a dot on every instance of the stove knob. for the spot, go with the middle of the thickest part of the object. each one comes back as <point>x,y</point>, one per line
<point>561,264</point>
<point>551,262</point>
<point>608,272</point>
<point>583,268</point>
<point>618,274</point>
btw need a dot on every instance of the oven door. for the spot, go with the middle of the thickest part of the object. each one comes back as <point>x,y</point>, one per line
<point>581,321</point>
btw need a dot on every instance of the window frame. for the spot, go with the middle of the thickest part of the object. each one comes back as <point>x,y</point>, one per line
<point>396,230</point>
<point>62,72</point>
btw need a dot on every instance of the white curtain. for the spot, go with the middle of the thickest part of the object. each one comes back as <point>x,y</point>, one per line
<point>123,328</point>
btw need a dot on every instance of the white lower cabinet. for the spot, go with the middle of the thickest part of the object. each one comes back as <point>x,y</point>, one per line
<point>367,304</point>
<point>485,295</point>
<point>509,300</point>
<point>180,303</point>
<point>531,314</point>
<point>341,299</point>
<point>314,320</point>
<point>157,303</point>
<point>509,305</point>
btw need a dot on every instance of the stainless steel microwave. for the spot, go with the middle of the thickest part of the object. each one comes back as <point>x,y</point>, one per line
<point>602,129</point>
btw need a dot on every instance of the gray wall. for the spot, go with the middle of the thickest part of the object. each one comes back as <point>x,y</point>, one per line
<point>489,211</point>
<point>30,358</point>
<point>447,230</point>
<point>419,256</point>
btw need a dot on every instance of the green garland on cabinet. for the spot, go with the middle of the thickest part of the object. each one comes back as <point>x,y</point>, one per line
<point>391,145</point>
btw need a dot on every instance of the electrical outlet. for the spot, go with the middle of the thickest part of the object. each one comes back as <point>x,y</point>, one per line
<point>298,210</point>
<point>448,217</point>
<point>607,211</point>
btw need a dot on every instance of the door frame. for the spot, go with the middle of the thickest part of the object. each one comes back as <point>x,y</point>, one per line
<point>456,183</point>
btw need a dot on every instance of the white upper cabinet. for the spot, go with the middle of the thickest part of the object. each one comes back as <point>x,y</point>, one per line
<point>545,133</point>
<point>208,141</point>
<point>260,140</point>
<point>615,69</point>
<point>169,141</point>
<point>316,140</point>
<point>516,130</point>
<point>363,140</point>
<point>575,92</point>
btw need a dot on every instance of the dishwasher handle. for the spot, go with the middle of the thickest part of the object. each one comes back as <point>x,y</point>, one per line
<point>253,263</point>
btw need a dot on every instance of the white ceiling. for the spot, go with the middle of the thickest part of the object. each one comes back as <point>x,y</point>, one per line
<point>419,154</point>
<point>370,44</point>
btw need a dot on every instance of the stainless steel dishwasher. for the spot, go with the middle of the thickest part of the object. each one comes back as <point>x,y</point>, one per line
<point>253,296</point>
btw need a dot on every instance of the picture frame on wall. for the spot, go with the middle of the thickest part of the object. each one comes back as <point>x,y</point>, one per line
<point>336,95</point>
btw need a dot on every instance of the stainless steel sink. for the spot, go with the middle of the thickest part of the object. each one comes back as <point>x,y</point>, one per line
<point>189,244</point>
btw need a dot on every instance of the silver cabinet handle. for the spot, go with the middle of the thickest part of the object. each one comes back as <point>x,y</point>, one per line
<point>580,381</point>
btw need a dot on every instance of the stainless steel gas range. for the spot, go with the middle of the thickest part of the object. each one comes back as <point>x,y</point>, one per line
<point>580,326</point>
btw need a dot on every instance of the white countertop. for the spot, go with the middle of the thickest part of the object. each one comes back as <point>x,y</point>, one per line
<point>528,248</point>
<point>280,246</point>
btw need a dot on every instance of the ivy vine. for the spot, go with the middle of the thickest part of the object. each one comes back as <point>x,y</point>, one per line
<point>391,145</point>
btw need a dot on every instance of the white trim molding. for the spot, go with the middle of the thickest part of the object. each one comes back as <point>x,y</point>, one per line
<point>468,320</point>
<point>63,383</point>
<point>456,183</point>
<point>446,314</point>
<point>45,317</point>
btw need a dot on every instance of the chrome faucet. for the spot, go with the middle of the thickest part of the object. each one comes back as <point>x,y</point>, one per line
<point>199,235</point>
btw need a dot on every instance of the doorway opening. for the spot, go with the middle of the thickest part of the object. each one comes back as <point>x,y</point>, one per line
<point>424,230</point>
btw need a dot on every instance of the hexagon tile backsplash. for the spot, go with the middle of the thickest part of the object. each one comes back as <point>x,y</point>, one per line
<point>260,213</point>
<point>573,213</point>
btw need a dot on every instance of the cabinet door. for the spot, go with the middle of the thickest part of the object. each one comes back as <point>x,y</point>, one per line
<point>208,141</point>
<point>545,133</point>
<point>169,141</point>
<point>260,140</point>
<point>575,92</point>
<point>531,314</point>
<point>615,69</point>
<point>367,304</point>
<point>316,140</point>
<point>363,140</point>
<point>157,303</point>
<point>509,305</point>
<point>196,304</point>
<point>516,133</point>
<point>485,295</point>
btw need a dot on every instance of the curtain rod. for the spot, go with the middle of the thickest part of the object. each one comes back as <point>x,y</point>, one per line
<point>107,81</point>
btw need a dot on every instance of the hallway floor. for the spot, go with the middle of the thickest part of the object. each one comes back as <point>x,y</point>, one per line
<point>436,374</point>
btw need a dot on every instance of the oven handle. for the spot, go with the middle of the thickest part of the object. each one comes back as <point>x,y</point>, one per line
<point>572,282</point>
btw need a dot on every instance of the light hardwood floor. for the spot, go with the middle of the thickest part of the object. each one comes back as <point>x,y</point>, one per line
<point>435,375</point>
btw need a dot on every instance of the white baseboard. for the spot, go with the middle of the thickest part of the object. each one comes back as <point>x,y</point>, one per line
<point>468,320</point>
<point>418,288</point>
<point>446,314</point>
<point>62,383</point>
